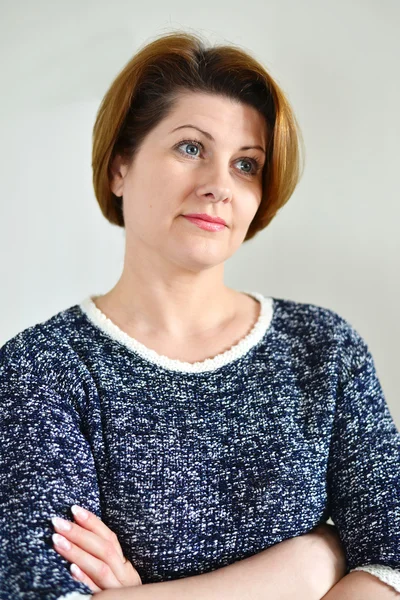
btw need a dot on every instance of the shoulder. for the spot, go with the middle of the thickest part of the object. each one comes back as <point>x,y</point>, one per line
<point>44,351</point>
<point>316,325</point>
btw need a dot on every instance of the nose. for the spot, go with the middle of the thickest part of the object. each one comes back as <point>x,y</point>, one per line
<point>215,188</point>
<point>218,193</point>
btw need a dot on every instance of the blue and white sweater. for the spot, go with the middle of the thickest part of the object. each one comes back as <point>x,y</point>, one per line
<point>194,466</point>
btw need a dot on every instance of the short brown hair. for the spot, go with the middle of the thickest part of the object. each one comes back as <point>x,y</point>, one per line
<point>146,90</point>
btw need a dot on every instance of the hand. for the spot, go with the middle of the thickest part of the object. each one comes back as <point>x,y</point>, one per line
<point>95,549</point>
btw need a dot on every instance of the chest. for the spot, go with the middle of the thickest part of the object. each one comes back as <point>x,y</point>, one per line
<point>193,485</point>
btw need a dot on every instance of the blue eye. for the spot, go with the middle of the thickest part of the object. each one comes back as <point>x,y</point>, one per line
<point>193,143</point>
<point>197,144</point>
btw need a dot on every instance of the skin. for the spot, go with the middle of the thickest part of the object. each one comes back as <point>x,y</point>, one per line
<point>171,287</point>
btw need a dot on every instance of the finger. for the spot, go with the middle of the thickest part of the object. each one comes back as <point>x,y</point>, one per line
<point>79,575</point>
<point>99,571</point>
<point>93,545</point>
<point>90,521</point>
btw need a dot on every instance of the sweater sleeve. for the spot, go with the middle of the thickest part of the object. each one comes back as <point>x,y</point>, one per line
<point>364,472</point>
<point>46,466</point>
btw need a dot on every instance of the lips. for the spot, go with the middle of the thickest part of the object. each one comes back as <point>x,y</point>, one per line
<point>207,225</point>
<point>205,217</point>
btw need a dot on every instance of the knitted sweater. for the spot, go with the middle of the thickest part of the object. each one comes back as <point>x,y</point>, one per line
<point>194,466</point>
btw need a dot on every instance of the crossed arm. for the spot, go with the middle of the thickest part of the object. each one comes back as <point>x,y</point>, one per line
<point>281,572</point>
<point>354,586</point>
<point>298,568</point>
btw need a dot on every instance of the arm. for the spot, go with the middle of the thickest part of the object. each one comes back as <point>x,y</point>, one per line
<point>284,571</point>
<point>45,466</point>
<point>363,478</point>
<point>361,586</point>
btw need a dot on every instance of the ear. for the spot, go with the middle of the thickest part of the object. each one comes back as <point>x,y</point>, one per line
<point>118,169</point>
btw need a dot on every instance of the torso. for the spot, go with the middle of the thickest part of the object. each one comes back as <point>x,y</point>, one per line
<point>200,349</point>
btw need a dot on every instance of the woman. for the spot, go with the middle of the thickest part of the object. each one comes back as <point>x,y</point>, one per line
<point>198,425</point>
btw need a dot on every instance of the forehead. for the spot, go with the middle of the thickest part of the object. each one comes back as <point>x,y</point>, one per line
<point>218,115</point>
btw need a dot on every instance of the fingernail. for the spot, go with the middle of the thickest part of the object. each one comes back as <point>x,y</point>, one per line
<point>79,512</point>
<point>76,571</point>
<point>61,524</point>
<point>60,541</point>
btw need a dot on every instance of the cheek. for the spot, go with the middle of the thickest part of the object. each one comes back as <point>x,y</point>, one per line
<point>171,195</point>
<point>153,208</point>
<point>245,210</point>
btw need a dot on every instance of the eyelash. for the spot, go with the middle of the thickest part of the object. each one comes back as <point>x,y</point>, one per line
<point>253,160</point>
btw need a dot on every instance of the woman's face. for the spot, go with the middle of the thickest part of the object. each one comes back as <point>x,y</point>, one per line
<point>180,170</point>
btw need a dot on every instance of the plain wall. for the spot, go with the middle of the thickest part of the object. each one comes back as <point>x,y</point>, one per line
<point>335,244</point>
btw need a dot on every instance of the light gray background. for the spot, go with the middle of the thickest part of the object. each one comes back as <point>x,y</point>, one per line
<point>335,244</point>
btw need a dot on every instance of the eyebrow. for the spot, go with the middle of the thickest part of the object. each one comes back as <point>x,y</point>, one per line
<point>210,137</point>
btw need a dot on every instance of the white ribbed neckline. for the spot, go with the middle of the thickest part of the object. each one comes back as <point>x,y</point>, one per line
<point>98,318</point>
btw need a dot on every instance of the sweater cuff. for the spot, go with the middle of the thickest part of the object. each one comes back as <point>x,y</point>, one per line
<point>76,596</point>
<point>386,574</point>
